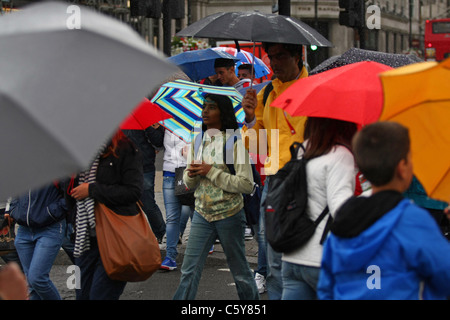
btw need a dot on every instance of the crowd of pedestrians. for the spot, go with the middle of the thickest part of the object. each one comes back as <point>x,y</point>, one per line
<point>379,231</point>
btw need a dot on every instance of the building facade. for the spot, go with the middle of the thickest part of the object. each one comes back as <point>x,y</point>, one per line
<point>394,26</point>
<point>400,28</point>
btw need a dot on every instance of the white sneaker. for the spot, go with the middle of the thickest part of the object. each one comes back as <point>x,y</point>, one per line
<point>248,233</point>
<point>260,283</point>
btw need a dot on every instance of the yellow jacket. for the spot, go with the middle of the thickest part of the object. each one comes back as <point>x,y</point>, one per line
<point>282,130</point>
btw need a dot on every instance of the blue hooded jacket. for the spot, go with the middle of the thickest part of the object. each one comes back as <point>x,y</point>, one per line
<point>384,247</point>
<point>39,208</point>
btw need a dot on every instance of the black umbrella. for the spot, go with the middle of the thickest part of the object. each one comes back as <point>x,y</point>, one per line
<point>256,27</point>
<point>357,55</point>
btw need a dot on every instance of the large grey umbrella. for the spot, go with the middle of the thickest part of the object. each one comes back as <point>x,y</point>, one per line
<point>64,90</point>
<point>358,55</point>
<point>255,26</point>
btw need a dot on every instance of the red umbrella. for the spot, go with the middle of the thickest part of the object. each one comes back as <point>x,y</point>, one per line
<point>143,116</point>
<point>351,93</point>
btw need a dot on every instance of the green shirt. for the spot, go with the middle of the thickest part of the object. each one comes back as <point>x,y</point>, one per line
<point>219,193</point>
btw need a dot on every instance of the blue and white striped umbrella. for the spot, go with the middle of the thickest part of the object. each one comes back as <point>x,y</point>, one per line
<point>184,101</point>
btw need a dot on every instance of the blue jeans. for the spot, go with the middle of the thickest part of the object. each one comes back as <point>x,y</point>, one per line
<point>261,238</point>
<point>151,209</point>
<point>274,281</point>
<point>174,212</point>
<point>37,249</point>
<point>230,232</point>
<point>95,283</point>
<point>299,281</point>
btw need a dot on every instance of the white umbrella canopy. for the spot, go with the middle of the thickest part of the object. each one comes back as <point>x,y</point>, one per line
<point>64,90</point>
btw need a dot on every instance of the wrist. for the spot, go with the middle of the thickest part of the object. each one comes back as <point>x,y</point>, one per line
<point>249,119</point>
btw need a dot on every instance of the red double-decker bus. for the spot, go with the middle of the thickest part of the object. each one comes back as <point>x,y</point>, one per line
<point>437,39</point>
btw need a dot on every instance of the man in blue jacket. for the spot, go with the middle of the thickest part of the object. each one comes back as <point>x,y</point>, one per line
<point>384,246</point>
<point>41,215</point>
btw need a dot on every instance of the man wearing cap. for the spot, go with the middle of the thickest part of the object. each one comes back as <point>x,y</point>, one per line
<point>226,74</point>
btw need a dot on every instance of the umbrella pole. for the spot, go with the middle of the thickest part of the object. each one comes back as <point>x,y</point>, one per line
<point>238,47</point>
<point>253,66</point>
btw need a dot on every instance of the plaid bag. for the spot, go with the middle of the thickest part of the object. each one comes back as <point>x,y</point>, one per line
<point>7,234</point>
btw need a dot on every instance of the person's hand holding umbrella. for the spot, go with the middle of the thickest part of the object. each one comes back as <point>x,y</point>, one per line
<point>249,103</point>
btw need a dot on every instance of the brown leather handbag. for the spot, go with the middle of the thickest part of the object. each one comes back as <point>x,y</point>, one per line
<point>128,247</point>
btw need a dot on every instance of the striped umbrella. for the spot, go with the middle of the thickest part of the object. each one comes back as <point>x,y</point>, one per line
<point>184,100</point>
<point>261,69</point>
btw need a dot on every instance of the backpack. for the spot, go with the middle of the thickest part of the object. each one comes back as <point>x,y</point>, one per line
<point>267,90</point>
<point>288,226</point>
<point>252,201</point>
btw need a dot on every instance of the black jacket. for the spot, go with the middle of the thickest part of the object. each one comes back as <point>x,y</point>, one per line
<point>147,141</point>
<point>119,181</point>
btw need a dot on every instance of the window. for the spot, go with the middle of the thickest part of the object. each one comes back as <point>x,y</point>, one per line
<point>441,27</point>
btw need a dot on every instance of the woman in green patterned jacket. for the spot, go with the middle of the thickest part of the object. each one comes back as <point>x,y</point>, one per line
<point>219,203</point>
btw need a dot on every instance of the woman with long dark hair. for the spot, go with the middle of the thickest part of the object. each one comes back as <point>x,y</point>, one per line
<point>331,173</point>
<point>218,200</point>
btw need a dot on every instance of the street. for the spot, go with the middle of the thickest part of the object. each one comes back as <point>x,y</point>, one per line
<point>216,283</point>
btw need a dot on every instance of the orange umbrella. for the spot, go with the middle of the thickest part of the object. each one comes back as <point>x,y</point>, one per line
<point>418,96</point>
<point>350,93</point>
<point>143,116</point>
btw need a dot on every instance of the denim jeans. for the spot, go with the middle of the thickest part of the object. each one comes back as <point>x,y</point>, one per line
<point>174,212</point>
<point>151,209</point>
<point>37,249</point>
<point>230,232</point>
<point>261,238</point>
<point>274,281</point>
<point>95,283</point>
<point>299,281</point>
